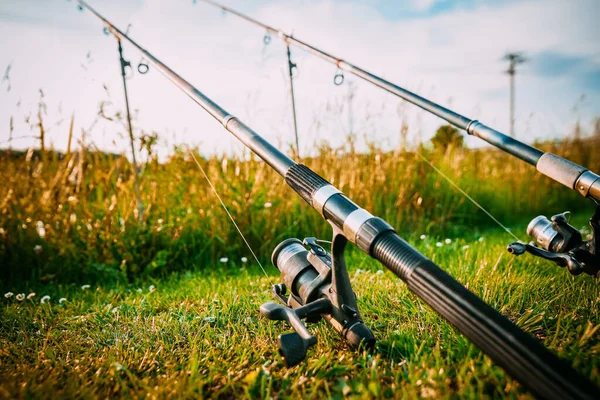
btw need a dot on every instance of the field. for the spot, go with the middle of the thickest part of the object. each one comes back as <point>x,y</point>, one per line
<point>165,302</point>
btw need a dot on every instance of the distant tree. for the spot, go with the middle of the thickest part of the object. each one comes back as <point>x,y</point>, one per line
<point>447,136</point>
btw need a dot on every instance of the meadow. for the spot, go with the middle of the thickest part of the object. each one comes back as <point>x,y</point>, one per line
<point>164,302</point>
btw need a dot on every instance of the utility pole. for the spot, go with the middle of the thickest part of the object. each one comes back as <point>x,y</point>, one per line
<point>513,59</point>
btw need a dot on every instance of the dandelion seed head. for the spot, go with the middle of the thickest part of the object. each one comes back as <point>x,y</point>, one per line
<point>439,244</point>
<point>152,288</point>
<point>45,299</point>
<point>62,300</point>
<point>423,237</point>
<point>72,218</point>
<point>481,239</point>
<point>85,287</point>
<point>139,290</point>
<point>224,259</point>
<point>244,259</point>
<point>268,204</point>
<point>466,246</point>
<point>448,241</point>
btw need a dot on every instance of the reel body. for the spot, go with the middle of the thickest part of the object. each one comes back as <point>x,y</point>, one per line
<point>319,288</point>
<point>562,243</point>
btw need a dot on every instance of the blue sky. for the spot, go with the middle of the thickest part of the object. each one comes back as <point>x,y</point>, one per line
<point>449,51</point>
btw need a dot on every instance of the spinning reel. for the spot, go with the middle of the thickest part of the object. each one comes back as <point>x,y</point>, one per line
<point>319,288</point>
<point>560,242</point>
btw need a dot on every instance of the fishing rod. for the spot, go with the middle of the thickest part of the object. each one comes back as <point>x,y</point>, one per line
<point>319,285</point>
<point>557,240</point>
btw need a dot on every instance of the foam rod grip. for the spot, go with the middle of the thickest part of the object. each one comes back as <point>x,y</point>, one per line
<point>521,356</point>
<point>560,169</point>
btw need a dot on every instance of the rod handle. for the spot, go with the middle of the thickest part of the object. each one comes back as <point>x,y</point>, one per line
<point>560,169</point>
<point>521,356</point>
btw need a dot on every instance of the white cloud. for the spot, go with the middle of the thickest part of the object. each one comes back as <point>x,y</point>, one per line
<point>422,5</point>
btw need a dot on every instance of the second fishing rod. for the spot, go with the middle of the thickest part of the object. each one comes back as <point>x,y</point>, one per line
<point>557,240</point>
<point>320,286</point>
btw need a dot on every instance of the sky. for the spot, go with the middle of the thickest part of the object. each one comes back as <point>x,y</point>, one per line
<point>448,51</point>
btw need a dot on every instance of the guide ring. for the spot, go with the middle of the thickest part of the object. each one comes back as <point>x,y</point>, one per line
<point>143,68</point>
<point>267,39</point>
<point>338,79</point>
<point>106,31</point>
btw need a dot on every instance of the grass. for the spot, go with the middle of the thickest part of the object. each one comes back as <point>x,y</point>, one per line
<point>199,334</point>
<point>86,207</point>
<point>70,229</point>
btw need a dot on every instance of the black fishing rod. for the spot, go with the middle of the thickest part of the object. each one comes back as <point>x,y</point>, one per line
<point>320,287</point>
<point>558,241</point>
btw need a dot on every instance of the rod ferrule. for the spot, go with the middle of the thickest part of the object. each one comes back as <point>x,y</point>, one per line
<point>226,120</point>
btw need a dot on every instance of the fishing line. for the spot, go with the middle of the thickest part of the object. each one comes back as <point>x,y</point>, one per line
<point>230,216</point>
<point>472,200</point>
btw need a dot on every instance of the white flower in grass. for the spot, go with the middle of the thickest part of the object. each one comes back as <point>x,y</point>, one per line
<point>224,259</point>
<point>481,239</point>
<point>30,296</point>
<point>37,249</point>
<point>41,231</point>
<point>139,290</point>
<point>379,272</point>
<point>85,287</point>
<point>160,221</point>
<point>152,288</point>
<point>115,310</point>
<point>62,300</point>
<point>20,296</point>
<point>45,299</point>
<point>423,237</point>
<point>8,295</point>
<point>268,204</point>
<point>466,246</point>
<point>244,259</point>
<point>210,320</point>
<point>73,218</point>
<point>439,244</point>
<point>448,241</point>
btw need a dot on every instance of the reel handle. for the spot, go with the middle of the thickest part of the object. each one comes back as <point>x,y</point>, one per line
<point>293,346</point>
